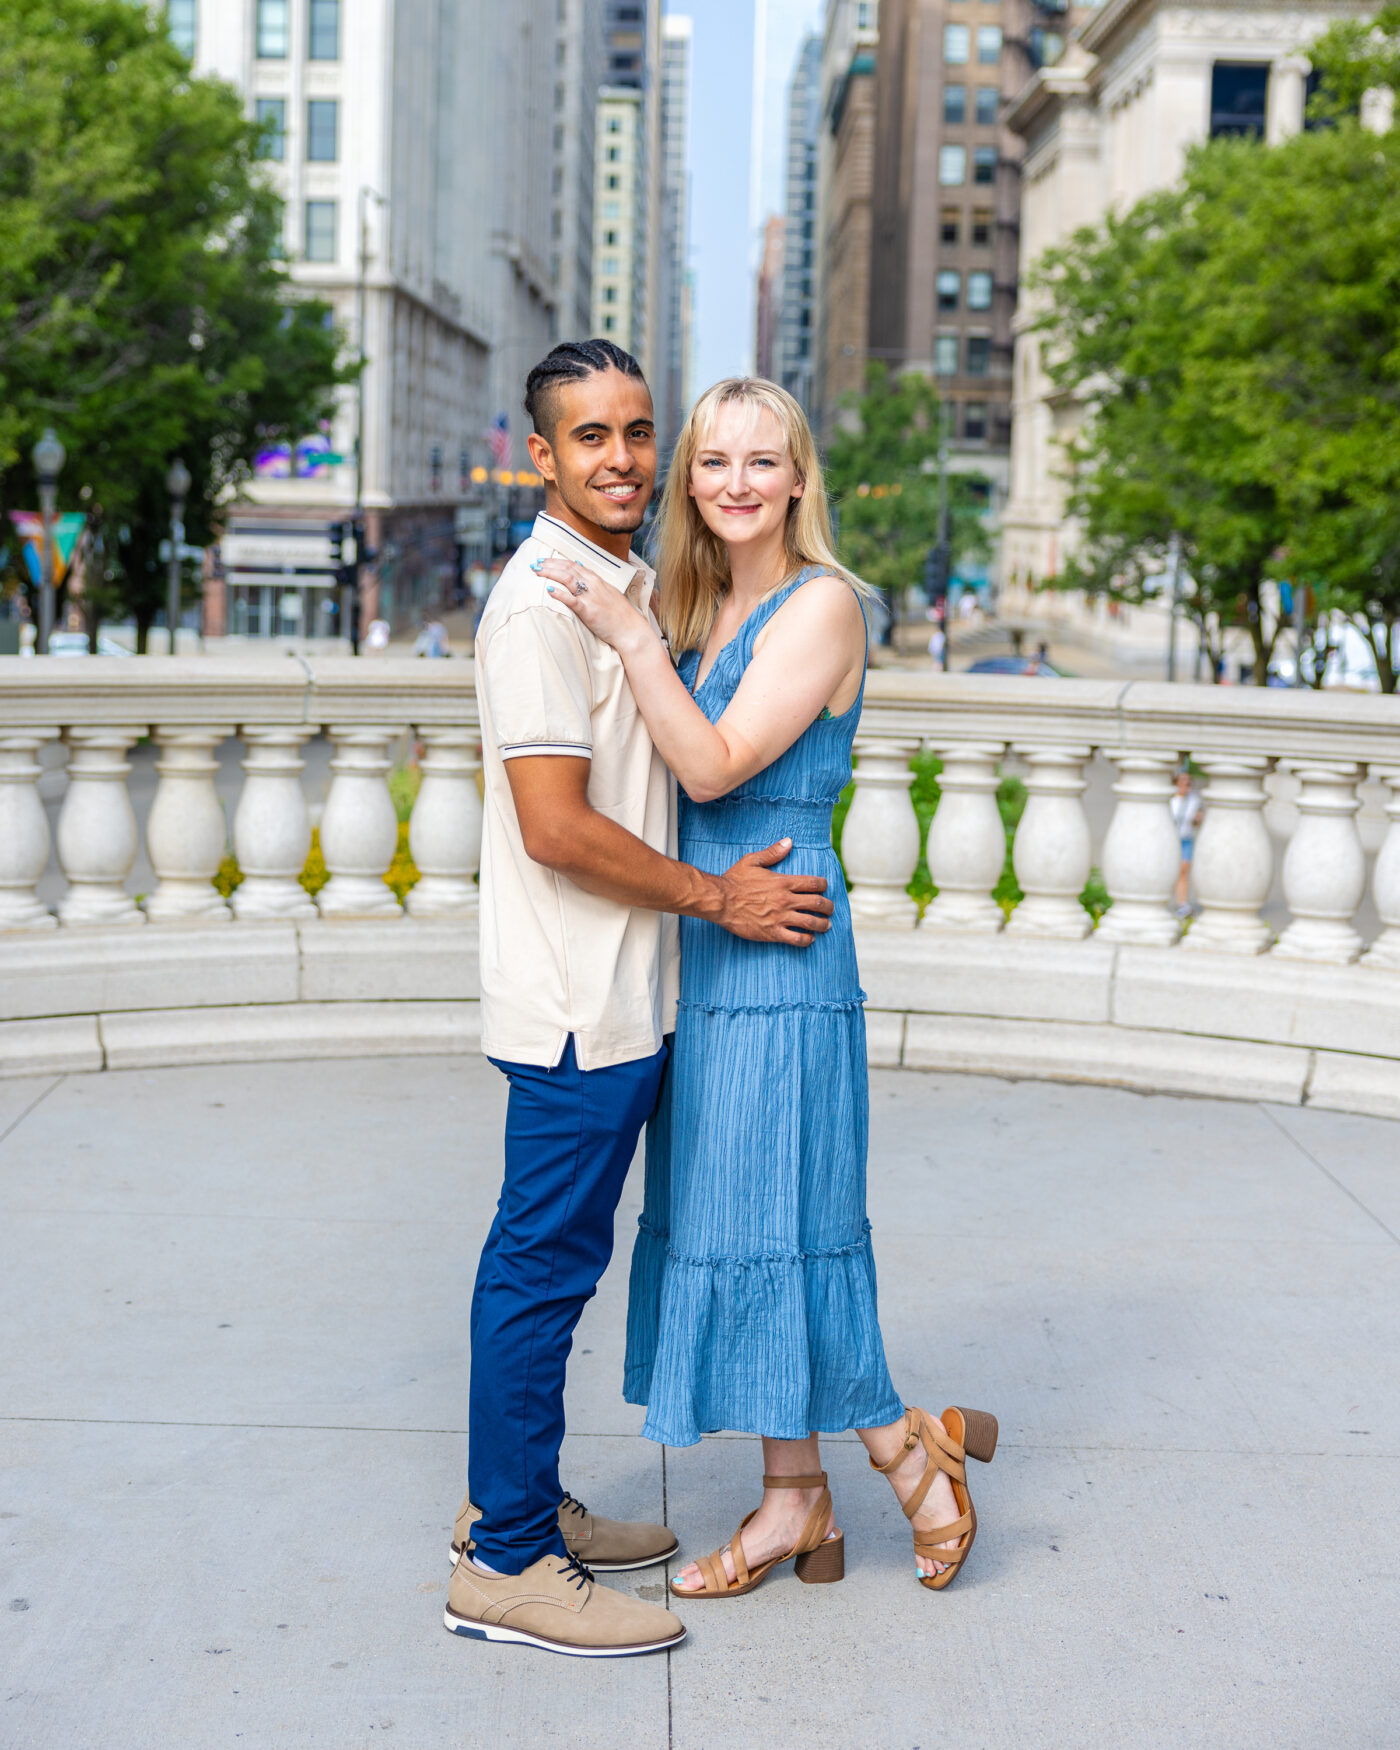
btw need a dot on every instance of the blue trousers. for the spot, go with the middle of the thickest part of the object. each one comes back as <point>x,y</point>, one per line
<point>570,1138</point>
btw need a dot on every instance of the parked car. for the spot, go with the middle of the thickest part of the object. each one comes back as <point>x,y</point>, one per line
<point>1034,666</point>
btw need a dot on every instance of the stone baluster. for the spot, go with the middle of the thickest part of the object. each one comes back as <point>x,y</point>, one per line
<point>186,835</point>
<point>24,831</point>
<point>359,829</point>
<point>967,842</point>
<point>444,833</point>
<point>1141,852</point>
<point>271,829</point>
<point>1385,881</point>
<point>97,835</point>
<point>1053,851</point>
<point>880,841</point>
<point>1233,867</point>
<point>1324,868</point>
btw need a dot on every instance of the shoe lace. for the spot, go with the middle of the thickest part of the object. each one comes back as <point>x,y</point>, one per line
<point>574,1569</point>
<point>573,1503</point>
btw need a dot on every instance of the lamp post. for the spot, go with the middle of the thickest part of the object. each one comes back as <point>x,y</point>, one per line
<point>350,593</point>
<point>177,484</point>
<point>49,457</point>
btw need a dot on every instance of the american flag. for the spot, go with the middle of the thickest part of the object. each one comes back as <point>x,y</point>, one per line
<point>498,436</point>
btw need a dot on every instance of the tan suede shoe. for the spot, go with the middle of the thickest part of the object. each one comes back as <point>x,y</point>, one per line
<point>608,1546</point>
<point>555,1604</point>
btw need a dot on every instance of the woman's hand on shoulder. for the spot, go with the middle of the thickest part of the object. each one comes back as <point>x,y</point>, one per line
<point>602,607</point>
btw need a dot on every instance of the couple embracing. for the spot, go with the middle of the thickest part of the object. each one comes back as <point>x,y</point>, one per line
<point>688,971</point>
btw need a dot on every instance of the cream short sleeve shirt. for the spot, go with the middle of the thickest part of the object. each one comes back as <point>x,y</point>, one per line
<point>554,959</point>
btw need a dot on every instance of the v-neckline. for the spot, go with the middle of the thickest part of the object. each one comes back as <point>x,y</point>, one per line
<point>762,602</point>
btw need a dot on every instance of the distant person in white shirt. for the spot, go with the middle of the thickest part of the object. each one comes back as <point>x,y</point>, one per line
<point>432,637</point>
<point>1188,811</point>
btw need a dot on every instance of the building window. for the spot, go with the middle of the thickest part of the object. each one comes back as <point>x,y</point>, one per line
<point>272,30</point>
<point>975,421</point>
<point>979,291</point>
<point>610,237</point>
<point>320,231</point>
<point>1046,46</point>
<point>981,228</point>
<point>988,98</point>
<point>609,324</point>
<point>610,264</point>
<point>952,166</point>
<point>866,13</point>
<point>954,104</point>
<point>949,289</point>
<point>324,41</point>
<point>609,294</point>
<point>614,124</point>
<point>614,182</point>
<point>950,228</point>
<point>984,164</point>
<point>945,355</point>
<point>182,20</point>
<point>957,44</point>
<point>270,114</point>
<point>988,44</point>
<point>979,351</point>
<point>1238,98</point>
<point>322,128</point>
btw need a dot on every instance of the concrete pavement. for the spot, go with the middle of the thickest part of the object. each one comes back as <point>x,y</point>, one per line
<point>234,1386</point>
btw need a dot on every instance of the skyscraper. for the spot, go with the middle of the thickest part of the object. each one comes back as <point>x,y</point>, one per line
<point>796,297</point>
<point>672,386</point>
<point>768,303</point>
<point>620,242</point>
<point>579,61</point>
<point>632,65</point>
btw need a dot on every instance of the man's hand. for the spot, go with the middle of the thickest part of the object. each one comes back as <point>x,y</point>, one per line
<point>763,907</point>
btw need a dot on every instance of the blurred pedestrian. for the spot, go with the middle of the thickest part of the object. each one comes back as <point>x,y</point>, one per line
<point>432,637</point>
<point>377,637</point>
<point>1188,811</point>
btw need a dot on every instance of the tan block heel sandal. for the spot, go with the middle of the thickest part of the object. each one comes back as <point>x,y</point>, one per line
<point>818,1559</point>
<point>965,1434</point>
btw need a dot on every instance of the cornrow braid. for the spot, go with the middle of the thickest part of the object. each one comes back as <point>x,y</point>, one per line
<point>570,362</point>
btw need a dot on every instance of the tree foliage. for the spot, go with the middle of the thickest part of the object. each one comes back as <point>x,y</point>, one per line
<point>1235,342</point>
<point>143,311</point>
<point>878,472</point>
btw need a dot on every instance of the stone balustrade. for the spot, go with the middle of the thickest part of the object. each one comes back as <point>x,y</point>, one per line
<point>1296,1006</point>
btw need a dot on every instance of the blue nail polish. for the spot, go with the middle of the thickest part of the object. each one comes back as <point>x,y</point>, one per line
<point>536,564</point>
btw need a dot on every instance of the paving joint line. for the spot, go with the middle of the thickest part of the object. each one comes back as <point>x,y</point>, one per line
<point>37,1101</point>
<point>1346,1191</point>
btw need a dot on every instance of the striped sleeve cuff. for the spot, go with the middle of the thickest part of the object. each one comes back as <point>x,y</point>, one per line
<point>578,750</point>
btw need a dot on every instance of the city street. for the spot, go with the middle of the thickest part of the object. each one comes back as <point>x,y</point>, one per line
<point>235,1388</point>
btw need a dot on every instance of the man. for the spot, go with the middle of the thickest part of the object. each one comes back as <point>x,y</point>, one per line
<point>579,895</point>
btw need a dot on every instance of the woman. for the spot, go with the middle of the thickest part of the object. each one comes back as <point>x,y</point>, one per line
<point>753,1284</point>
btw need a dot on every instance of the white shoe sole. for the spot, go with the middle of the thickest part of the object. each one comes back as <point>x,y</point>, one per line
<point>454,1556</point>
<point>490,1631</point>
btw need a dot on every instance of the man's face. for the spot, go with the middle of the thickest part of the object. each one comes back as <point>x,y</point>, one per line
<point>601,460</point>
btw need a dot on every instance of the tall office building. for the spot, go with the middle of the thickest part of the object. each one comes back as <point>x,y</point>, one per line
<point>620,207</point>
<point>414,153</point>
<point>768,302</point>
<point>845,184</point>
<point>632,65</point>
<point>794,360</point>
<point>579,61</point>
<point>672,385</point>
<point>946,204</point>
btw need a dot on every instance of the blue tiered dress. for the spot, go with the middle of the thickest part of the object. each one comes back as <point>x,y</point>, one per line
<point>753,1285</point>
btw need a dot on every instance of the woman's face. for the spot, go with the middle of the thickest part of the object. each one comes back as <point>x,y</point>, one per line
<point>743,478</point>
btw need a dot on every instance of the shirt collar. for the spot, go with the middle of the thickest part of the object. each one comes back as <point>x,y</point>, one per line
<point>622,573</point>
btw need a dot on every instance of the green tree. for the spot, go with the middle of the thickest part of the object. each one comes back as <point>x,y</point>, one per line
<point>1236,344</point>
<point>881,471</point>
<point>143,311</point>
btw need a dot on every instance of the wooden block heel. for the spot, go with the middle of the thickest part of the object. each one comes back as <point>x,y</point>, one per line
<point>824,1564</point>
<point>979,1434</point>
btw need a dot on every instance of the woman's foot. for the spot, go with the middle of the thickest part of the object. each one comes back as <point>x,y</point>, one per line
<point>771,1533</point>
<point>940,1505</point>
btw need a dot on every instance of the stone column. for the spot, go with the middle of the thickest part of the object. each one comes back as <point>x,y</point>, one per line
<point>1287,99</point>
<point>1378,109</point>
<point>271,830</point>
<point>1385,881</point>
<point>967,842</point>
<point>1053,851</point>
<point>1233,868</point>
<point>1141,852</point>
<point>187,834</point>
<point>97,836</point>
<point>1324,868</point>
<point>359,829</point>
<point>24,831</point>
<point>880,840</point>
<point>444,833</point>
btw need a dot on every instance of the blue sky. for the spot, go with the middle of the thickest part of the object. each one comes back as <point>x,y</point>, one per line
<point>728,202</point>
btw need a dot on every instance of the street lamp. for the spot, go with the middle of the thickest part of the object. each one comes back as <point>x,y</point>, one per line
<point>49,457</point>
<point>177,484</point>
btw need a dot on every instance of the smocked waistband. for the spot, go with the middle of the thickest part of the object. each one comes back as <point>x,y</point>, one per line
<point>756,821</point>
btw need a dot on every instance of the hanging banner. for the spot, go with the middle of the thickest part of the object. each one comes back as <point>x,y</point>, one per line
<point>64,533</point>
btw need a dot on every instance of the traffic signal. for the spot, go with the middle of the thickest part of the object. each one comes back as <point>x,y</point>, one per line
<point>336,533</point>
<point>936,570</point>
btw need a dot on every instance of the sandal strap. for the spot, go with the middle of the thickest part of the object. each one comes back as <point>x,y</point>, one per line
<point>736,1550</point>
<point>814,1531</point>
<point>712,1573</point>
<point>817,1480</point>
<point>911,1440</point>
<point>926,1542</point>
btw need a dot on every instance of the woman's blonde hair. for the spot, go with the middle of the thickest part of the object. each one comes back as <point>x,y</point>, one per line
<point>692,563</point>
